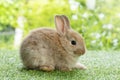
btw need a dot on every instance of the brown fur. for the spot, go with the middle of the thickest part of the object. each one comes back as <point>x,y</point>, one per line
<point>47,49</point>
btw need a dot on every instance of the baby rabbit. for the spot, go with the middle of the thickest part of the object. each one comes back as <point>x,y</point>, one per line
<point>47,49</point>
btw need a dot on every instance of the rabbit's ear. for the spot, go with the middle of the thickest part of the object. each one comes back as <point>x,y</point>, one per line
<point>61,25</point>
<point>66,21</point>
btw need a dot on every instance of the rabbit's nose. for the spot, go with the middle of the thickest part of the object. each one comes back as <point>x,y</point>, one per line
<point>79,51</point>
<point>83,51</point>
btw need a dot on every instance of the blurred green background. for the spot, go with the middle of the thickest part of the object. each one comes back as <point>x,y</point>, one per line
<point>97,20</point>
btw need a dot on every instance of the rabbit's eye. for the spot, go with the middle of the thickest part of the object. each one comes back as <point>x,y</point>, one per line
<point>73,42</point>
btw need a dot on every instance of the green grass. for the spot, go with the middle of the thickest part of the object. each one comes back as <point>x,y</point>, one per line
<point>102,65</point>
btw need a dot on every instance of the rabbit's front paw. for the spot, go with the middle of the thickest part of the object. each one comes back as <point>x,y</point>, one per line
<point>47,68</point>
<point>80,66</point>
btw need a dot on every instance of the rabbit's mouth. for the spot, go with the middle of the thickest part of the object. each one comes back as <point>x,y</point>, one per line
<point>79,52</point>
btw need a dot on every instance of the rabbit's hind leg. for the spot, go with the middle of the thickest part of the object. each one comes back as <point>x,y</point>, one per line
<point>47,64</point>
<point>47,68</point>
<point>47,61</point>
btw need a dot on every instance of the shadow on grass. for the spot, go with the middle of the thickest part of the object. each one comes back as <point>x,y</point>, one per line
<point>59,75</point>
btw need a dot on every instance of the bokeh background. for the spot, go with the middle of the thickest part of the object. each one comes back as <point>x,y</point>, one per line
<point>97,20</point>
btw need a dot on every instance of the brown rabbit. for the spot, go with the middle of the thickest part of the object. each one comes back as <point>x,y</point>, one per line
<point>47,49</point>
